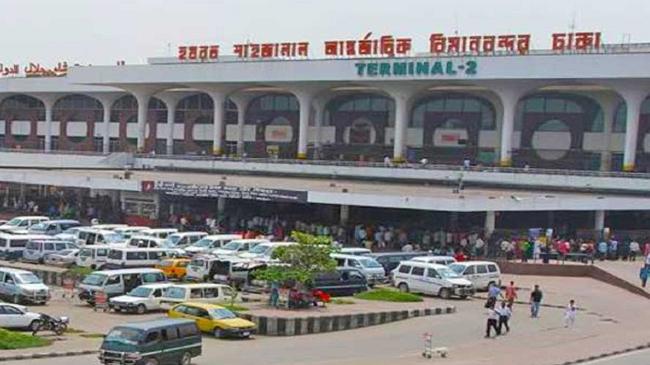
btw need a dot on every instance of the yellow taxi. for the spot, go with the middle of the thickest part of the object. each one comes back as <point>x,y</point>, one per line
<point>174,268</point>
<point>214,319</point>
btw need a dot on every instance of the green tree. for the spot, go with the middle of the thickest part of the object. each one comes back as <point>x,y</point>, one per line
<point>300,262</point>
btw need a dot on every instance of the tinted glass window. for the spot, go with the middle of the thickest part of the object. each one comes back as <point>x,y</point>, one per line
<point>188,330</point>
<point>49,247</point>
<point>16,243</point>
<point>133,255</point>
<point>432,273</point>
<point>113,280</point>
<point>492,268</point>
<point>419,271</point>
<point>60,246</point>
<point>404,269</point>
<point>152,337</point>
<point>469,271</point>
<point>153,277</point>
<point>115,254</point>
<point>154,255</point>
<point>481,269</point>
<point>169,333</point>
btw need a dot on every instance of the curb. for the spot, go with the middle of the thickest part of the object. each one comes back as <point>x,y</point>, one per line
<point>42,355</point>
<point>606,354</point>
<point>296,326</point>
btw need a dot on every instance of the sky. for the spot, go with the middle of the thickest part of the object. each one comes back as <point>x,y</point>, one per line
<point>104,31</point>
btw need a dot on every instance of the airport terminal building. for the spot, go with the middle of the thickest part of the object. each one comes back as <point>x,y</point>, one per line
<point>581,105</point>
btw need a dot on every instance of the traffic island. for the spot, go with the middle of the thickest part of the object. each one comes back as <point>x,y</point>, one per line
<point>291,325</point>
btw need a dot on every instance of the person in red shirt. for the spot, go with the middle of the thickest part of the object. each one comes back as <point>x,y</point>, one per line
<point>511,294</point>
<point>460,256</point>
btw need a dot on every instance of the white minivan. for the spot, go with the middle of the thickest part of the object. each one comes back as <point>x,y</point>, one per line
<point>121,257</point>
<point>22,285</point>
<point>184,239</point>
<point>264,251</point>
<point>92,256</point>
<point>199,292</point>
<point>480,273</point>
<point>21,225</point>
<point>430,279</point>
<point>209,243</point>
<point>117,282</point>
<point>141,299</point>
<point>13,245</point>
<point>369,267</point>
<point>236,247</point>
<point>36,250</point>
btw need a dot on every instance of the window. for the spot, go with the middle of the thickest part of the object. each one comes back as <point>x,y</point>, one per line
<point>196,293</point>
<point>157,293</point>
<point>112,280</point>
<point>227,291</point>
<point>492,268</point>
<point>60,246</point>
<point>188,330</point>
<point>115,254</point>
<point>181,309</point>
<point>470,270</point>
<point>404,269</point>
<point>353,263</point>
<point>154,255</point>
<point>432,273</point>
<point>153,277</point>
<point>481,269</point>
<point>169,333</point>
<point>48,247</point>
<point>11,310</point>
<point>211,293</point>
<point>192,311</point>
<point>418,271</point>
<point>17,243</point>
<point>203,313</point>
<point>340,262</point>
<point>9,279</point>
<point>152,337</point>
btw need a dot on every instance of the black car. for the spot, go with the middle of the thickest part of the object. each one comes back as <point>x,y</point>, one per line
<point>390,260</point>
<point>342,282</point>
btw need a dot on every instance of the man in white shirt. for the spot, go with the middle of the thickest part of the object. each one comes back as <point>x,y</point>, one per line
<point>634,250</point>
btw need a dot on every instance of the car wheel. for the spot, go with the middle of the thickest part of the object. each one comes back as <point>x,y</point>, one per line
<point>141,309</point>
<point>490,284</point>
<point>403,288</point>
<point>15,299</point>
<point>151,362</point>
<point>186,359</point>
<point>34,326</point>
<point>117,309</point>
<point>464,296</point>
<point>217,332</point>
<point>93,267</point>
<point>445,293</point>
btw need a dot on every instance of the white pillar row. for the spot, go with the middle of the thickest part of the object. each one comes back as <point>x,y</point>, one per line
<point>402,97</point>
<point>608,103</point>
<point>320,103</point>
<point>48,102</point>
<point>633,101</point>
<point>218,102</point>
<point>241,101</point>
<point>171,100</point>
<point>599,220</point>
<point>143,111</point>
<point>490,222</point>
<point>107,101</point>
<point>305,98</point>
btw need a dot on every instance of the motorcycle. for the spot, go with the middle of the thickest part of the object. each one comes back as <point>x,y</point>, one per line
<point>49,323</point>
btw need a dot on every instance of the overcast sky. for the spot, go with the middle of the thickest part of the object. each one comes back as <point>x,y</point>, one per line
<point>103,31</point>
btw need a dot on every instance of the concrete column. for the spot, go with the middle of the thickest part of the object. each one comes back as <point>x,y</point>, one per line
<point>107,101</point>
<point>319,114</point>
<point>633,103</point>
<point>305,99</point>
<point>608,104</point>
<point>509,102</point>
<point>490,222</point>
<point>171,119</point>
<point>218,101</point>
<point>221,205</point>
<point>143,110</point>
<point>344,216</point>
<point>599,220</point>
<point>49,108</point>
<point>241,101</point>
<point>402,97</point>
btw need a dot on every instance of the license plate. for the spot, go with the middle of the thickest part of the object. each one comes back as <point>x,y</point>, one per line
<point>245,333</point>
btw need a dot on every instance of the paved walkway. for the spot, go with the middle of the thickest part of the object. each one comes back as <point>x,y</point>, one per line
<point>626,270</point>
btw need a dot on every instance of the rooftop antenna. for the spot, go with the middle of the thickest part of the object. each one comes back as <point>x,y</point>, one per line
<point>572,25</point>
<point>169,49</point>
<point>456,30</point>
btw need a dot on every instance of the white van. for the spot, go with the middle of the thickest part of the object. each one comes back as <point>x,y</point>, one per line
<point>22,285</point>
<point>357,251</point>
<point>92,256</point>
<point>92,236</point>
<point>109,227</point>
<point>200,292</point>
<point>209,267</point>
<point>13,245</point>
<point>21,225</point>
<point>36,250</point>
<point>184,239</point>
<point>440,260</point>
<point>53,227</point>
<point>236,247</point>
<point>121,257</point>
<point>209,243</point>
<point>141,299</point>
<point>264,251</point>
<point>430,279</point>
<point>130,231</point>
<point>371,269</point>
<point>159,232</point>
<point>117,282</point>
<point>480,273</point>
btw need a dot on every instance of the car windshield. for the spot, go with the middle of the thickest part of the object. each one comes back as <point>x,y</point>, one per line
<point>128,336</point>
<point>94,279</point>
<point>14,222</point>
<point>173,239</point>
<point>203,242</point>
<point>29,279</point>
<point>222,313</point>
<point>369,263</point>
<point>112,237</point>
<point>72,230</point>
<point>458,269</point>
<point>39,227</point>
<point>140,292</point>
<point>85,252</point>
<point>197,262</point>
<point>447,273</point>
<point>259,249</point>
<point>232,246</point>
<point>175,292</point>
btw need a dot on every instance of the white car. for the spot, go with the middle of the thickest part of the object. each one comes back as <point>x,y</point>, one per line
<point>17,316</point>
<point>21,225</point>
<point>236,247</point>
<point>209,243</point>
<point>62,258</point>
<point>140,300</point>
<point>264,251</point>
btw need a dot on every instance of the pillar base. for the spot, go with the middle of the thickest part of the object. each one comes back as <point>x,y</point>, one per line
<point>628,167</point>
<point>217,151</point>
<point>505,163</point>
<point>301,156</point>
<point>399,159</point>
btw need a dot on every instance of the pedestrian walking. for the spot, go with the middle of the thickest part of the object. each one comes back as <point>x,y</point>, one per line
<point>492,321</point>
<point>643,275</point>
<point>494,292</point>
<point>635,248</point>
<point>535,301</point>
<point>504,317</point>
<point>570,314</point>
<point>511,294</point>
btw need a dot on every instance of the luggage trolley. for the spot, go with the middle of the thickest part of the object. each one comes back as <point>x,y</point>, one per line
<point>429,350</point>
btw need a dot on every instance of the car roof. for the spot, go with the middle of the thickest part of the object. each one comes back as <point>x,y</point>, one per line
<point>24,236</point>
<point>145,237</point>
<point>203,305</point>
<point>355,249</point>
<point>469,263</point>
<point>163,230</point>
<point>156,323</point>
<point>108,247</point>
<point>251,240</point>
<point>223,236</point>
<point>128,271</point>
<point>130,249</point>
<point>15,271</point>
<point>156,285</point>
<point>397,253</point>
<point>193,233</point>
<point>31,217</point>
<point>356,257</point>
<point>200,285</point>
<point>422,258</point>
<point>423,264</point>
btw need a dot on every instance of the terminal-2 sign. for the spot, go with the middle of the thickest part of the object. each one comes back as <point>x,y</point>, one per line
<point>224,191</point>
<point>399,68</point>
